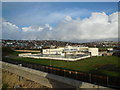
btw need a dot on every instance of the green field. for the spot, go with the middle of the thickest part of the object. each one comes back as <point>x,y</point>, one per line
<point>104,65</point>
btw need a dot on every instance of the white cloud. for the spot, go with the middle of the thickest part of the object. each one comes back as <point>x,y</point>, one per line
<point>48,26</point>
<point>36,28</point>
<point>68,18</point>
<point>98,26</point>
<point>10,31</point>
<point>37,32</point>
<point>32,29</point>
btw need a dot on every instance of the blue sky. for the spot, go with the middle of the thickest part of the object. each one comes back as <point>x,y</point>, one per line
<point>30,13</point>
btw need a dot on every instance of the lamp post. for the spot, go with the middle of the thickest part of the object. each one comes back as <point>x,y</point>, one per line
<point>49,55</point>
<point>41,50</point>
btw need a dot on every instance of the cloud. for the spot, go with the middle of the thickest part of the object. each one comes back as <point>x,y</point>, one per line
<point>48,26</point>
<point>68,18</point>
<point>10,31</point>
<point>36,28</point>
<point>32,29</point>
<point>98,26</point>
<point>36,32</point>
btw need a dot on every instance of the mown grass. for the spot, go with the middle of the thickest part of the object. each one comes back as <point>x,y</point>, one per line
<point>89,65</point>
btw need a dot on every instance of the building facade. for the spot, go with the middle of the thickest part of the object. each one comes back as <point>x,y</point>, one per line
<point>72,50</point>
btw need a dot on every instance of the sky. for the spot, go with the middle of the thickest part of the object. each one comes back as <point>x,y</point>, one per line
<point>65,21</point>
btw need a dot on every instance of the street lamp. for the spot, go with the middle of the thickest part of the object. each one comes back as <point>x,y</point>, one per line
<point>41,50</point>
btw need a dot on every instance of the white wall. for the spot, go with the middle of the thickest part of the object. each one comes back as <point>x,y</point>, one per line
<point>24,54</point>
<point>52,51</point>
<point>94,51</point>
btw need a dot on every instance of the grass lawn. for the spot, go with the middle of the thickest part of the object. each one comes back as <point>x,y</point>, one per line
<point>104,65</point>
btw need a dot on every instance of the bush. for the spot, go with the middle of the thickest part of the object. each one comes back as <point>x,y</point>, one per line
<point>4,86</point>
<point>116,53</point>
<point>6,51</point>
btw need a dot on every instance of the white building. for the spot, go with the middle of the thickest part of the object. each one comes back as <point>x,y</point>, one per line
<point>53,51</point>
<point>72,50</point>
<point>93,51</point>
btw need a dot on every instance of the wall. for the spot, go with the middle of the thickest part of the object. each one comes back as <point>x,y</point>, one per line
<point>53,51</point>
<point>53,58</point>
<point>94,51</point>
